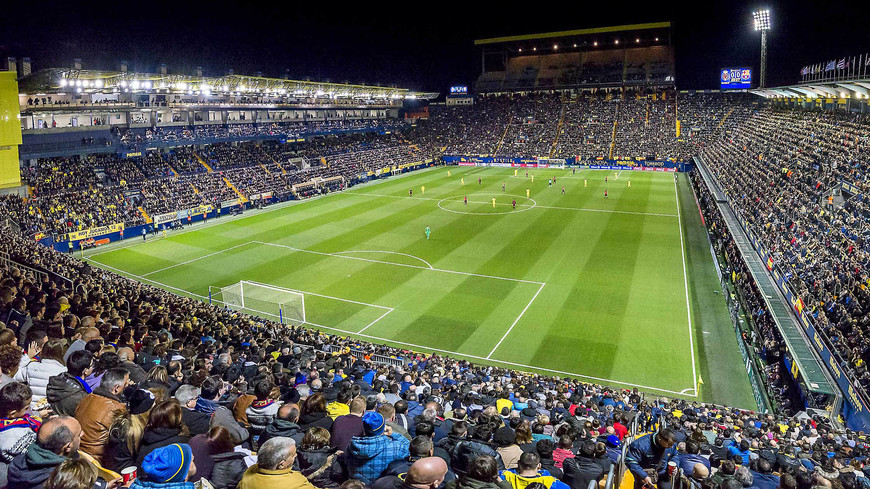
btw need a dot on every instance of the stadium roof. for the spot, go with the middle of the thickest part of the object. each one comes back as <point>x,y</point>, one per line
<point>62,79</point>
<point>858,88</point>
<point>573,33</point>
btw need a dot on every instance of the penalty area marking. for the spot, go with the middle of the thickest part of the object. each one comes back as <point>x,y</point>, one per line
<point>422,347</point>
<point>388,252</point>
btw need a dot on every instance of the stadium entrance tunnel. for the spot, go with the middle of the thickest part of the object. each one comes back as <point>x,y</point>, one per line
<point>486,204</point>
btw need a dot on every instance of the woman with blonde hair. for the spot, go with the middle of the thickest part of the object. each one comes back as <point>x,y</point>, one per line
<point>128,429</point>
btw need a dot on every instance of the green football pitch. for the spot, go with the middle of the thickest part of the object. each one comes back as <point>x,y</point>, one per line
<point>618,290</point>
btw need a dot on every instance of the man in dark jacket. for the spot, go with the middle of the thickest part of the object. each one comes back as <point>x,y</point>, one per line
<point>582,469</point>
<point>65,391</point>
<point>687,461</point>
<point>651,451</point>
<point>285,424</point>
<point>348,426</point>
<point>57,439</point>
<point>196,422</point>
<point>126,355</point>
<point>464,452</point>
<point>763,477</point>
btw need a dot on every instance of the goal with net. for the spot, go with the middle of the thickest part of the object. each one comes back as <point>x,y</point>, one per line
<point>277,303</point>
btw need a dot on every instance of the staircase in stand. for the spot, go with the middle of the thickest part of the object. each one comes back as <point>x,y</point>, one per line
<point>558,131</point>
<point>145,215</point>
<point>203,163</point>
<point>242,197</point>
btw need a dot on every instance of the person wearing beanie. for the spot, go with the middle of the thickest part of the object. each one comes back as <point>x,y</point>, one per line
<point>167,467</point>
<point>274,467</point>
<point>125,435</point>
<point>368,456</point>
<point>505,441</point>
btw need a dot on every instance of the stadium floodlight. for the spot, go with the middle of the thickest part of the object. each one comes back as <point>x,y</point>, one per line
<point>595,44</point>
<point>63,82</point>
<point>146,85</point>
<point>761,20</point>
<point>555,46</point>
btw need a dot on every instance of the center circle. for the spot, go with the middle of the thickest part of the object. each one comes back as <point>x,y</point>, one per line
<point>480,204</point>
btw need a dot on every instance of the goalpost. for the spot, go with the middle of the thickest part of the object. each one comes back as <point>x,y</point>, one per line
<point>280,304</point>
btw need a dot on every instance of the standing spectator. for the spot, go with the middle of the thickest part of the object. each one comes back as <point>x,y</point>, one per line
<point>652,452</point>
<point>97,410</point>
<point>274,467</point>
<point>66,390</point>
<point>369,455</point>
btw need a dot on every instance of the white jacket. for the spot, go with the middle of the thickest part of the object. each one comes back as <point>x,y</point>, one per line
<point>36,375</point>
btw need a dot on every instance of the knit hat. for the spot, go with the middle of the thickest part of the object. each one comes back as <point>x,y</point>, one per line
<point>373,423</point>
<point>168,464</point>
<point>613,441</point>
<point>138,400</point>
<point>504,436</point>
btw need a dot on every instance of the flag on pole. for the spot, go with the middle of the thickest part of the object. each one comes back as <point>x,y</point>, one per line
<point>700,380</point>
<point>831,65</point>
<point>841,64</point>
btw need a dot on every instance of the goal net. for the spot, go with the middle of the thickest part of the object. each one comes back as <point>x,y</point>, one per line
<point>277,303</point>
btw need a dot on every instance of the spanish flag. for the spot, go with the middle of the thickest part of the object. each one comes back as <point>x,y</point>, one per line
<point>770,263</point>
<point>799,305</point>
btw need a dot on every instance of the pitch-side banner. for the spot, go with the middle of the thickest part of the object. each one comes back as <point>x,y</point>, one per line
<point>98,231</point>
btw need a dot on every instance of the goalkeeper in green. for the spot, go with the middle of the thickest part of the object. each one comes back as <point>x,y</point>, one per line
<point>428,232</point>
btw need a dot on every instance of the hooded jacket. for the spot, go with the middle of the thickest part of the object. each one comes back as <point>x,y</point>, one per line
<point>322,467</point>
<point>282,427</point>
<point>319,418</point>
<point>156,438</point>
<point>64,393</point>
<point>31,469</point>
<point>228,469</point>
<point>466,451</point>
<point>367,457</point>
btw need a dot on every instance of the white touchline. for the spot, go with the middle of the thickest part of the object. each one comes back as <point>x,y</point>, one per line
<point>197,259</point>
<point>686,285</point>
<point>477,357</point>
<point>506,333</point>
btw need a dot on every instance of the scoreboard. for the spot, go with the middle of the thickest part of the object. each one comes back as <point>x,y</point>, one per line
<point>735,78</point>
<point>458,90</point>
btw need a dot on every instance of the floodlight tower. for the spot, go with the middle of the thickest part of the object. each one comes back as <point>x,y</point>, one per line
<point>762,23</point>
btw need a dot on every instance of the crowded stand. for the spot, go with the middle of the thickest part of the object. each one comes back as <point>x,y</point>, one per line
<point>784,170</point>
<point>109,373</point>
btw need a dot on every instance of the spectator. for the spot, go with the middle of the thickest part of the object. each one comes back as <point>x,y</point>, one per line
<point>529,471</point>
<point>196,422</point>
<point>425,473</point>
<point>170,467</point>
<point>369,455</point>
<point>274,467</point>
<point>285,424</point>
<point>319,463</point>
<point>57,440</point>
<point>481,473</point>
<point>651,451</point>
<point>165,427</point>
<point>127,430</point>
<point>581,470</point>
<point>73,474</point>
<point>37,373</point>
<point>66,390</point>
<point>345,427</point>
<point>314,413</point>
<point>97,410</point>
<point>19,428</point>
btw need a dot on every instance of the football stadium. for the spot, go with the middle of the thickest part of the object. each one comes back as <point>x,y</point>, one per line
<point>574,270</point>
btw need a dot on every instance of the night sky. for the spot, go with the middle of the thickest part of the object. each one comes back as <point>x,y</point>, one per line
<point>399,44</point>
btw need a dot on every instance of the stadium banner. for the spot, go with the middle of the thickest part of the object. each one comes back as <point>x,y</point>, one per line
<point>167,217</point>
<point>94,232</point>
<point>851,188</point>
<point>855,410</point>
<point>501,161</point>
<point>229,203</point>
